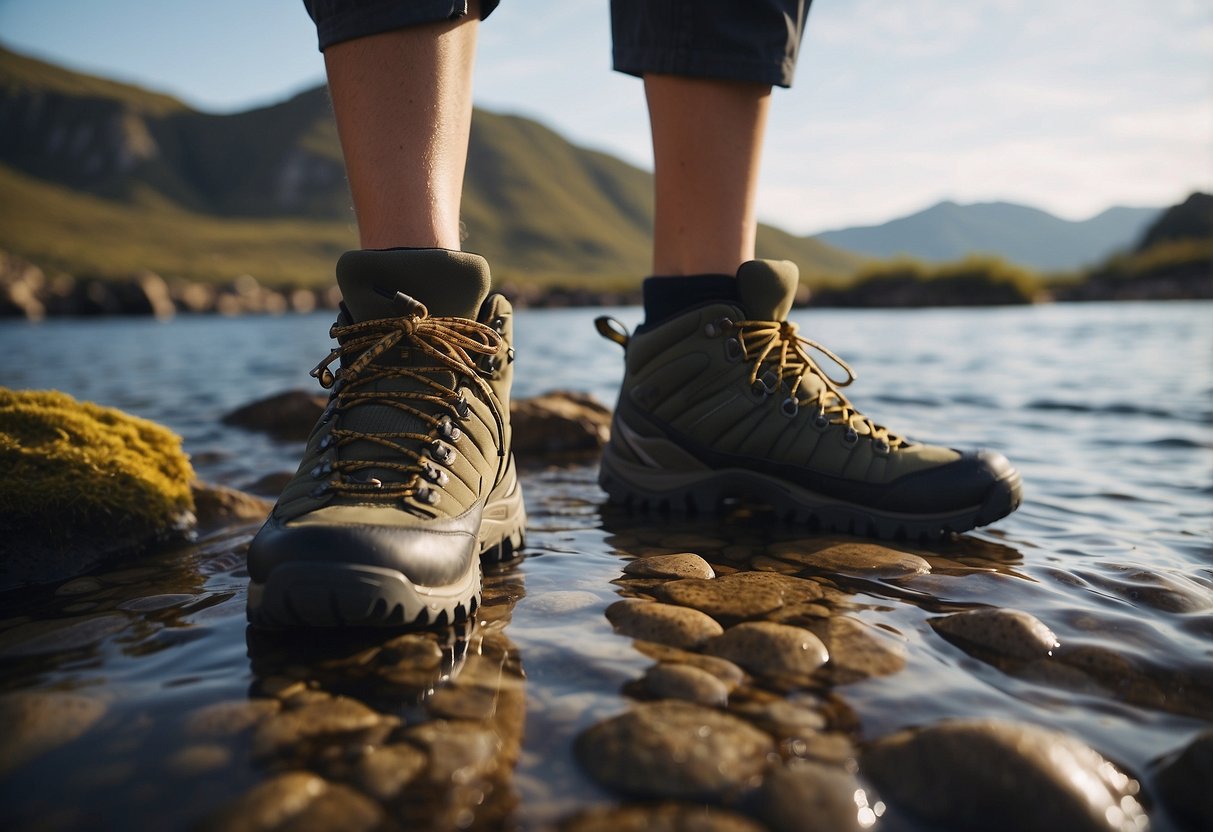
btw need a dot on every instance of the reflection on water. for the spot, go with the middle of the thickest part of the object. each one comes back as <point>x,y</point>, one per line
<point>135,696</point>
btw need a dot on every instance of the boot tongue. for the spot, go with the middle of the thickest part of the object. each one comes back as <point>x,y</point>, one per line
<point>767,288</point>
<point>450,283</point>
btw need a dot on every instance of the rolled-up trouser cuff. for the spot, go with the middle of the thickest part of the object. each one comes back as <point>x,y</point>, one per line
<point>338,20</point>
<point>738,40</point>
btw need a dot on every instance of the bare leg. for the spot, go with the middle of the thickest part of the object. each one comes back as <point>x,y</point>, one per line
<point>707,145</point>
<point>403,101</point>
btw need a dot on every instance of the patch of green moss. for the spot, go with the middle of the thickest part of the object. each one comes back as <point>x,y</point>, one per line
<point>78,474</point>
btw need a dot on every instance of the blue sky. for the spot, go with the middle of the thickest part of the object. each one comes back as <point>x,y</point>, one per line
<point>1069,105</point>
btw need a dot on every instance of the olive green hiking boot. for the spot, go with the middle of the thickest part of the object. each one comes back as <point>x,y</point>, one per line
<point>407,480</point>
<point>722,401</point>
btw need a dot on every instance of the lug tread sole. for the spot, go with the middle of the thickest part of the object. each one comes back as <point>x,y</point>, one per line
<point>710,493</point>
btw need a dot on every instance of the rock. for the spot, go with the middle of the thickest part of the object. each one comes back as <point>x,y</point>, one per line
<point>770,649</point>
<point>721,598</point>
<point>462,702</point>
<point>682,681</point>
<point>856,560</point>
<point>996,775</point>
<point>458,751</point>
<point>227,719</point>
<point>558,602</point>
<point>681,565</point>
<point>662,623</point>
<point>723,669</point>
<point>330,716</point>
<point>60,635</point>
<point>384,772</point>
<point>1007,633</point>
<point>858,651</point>
<point>658,817</point>
<point>289,415</point>
<point>297,800</point>
<point>194,760</point>
<point>217,506</point>
<point>559,423</point>
<point>35,723</point>
<point>79,481</point>
<point>811,797</point>
<point>675,750</point>
<point>782,718</point>
<point>1184,783</point>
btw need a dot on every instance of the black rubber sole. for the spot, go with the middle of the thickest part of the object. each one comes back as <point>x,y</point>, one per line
<point>712,493</point>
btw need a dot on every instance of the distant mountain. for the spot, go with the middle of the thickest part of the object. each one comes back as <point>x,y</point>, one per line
<point>1026,236</point>
<point>106,178</point>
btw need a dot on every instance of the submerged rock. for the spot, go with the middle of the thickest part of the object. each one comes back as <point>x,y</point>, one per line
<point>79,481</point>
<point>1011,634</point>
<point>35,723</point>
<point>811,797</point>
<point>771,649</point>
<point>659,817</point>
<point>682,681</point>
<point>856,560</point>
<point>1184,783</point>
<point>723,600</point>
<point>675,750</point>
<point>995,775</point>
<point>662,623</point>
<point>298,800</point>
<point>858,651</point>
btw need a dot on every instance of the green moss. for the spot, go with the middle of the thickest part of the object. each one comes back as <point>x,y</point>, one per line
<point>75,473</point>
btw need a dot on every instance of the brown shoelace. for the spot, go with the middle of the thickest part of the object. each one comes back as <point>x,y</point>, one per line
<point>780,357</point>
<point>454,346</point>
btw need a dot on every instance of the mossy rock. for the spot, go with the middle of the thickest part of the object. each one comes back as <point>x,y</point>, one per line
<point>78,480</point>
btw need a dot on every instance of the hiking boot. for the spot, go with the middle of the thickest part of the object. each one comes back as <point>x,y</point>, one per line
<point>407,480</point>
<point>723,401</point>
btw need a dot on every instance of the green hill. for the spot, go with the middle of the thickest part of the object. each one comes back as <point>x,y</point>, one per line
<point>104,179</point>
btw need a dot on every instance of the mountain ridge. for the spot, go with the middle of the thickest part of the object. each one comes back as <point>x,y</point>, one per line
<point>1028,236</point>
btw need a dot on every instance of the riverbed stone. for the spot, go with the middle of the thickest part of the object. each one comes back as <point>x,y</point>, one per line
<point>856,560</point>
<point>659,817</point>
<point>228,718</point>
<point>682,681</point>
<point>1002,775</point>
<point>218,506</point>
<point>808,796</point>
<point>675,750</point>
<point>383,772</point>
<point>297,800</point>
<point>1006,633</point>
<point>723,600</point>
<point>1184,783</point>
<point>291,727</point>
<point>857,650</point>
<point>723,669</point>
<point>35,723</point>
<point>663,623</point>
<point>679,565</point>
<point>770,649</point>
<point>458,751</point>
<point>782,718</point>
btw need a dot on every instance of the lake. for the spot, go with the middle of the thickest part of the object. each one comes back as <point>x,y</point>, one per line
<point>1107,409</point>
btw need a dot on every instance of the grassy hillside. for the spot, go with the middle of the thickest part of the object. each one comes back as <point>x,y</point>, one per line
<point>103,178</point>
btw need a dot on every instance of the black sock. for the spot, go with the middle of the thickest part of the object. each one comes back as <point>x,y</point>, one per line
<point>665,297</point>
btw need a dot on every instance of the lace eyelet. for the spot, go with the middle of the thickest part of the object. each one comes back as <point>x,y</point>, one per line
<point>732,350</point>
<point>448,430</point>
<point>435,475</point>
<point>850,437</point>
<point>462,408</point>
<point>321,469</point>
<point>326,442</point>
<point>426,495</point>
<point>790,407</point>
<point>769,381</point>
<point>718,327</point>
<point>442,453</point>
<point>821,421</point>
<point>499,325</point>
<point>320,490</point>
<point>881,446</point>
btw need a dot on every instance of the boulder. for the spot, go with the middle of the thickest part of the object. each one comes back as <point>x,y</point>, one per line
<point>559,424</point>
<point>79,481</point>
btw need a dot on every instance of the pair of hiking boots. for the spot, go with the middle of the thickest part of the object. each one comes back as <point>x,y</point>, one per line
<point>408,484</point>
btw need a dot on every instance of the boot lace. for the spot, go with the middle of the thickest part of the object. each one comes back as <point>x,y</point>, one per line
<point>780,358</point>
<point>451,345</point>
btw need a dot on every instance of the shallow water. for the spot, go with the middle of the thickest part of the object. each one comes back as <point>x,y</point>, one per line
<point>1107,409</point>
